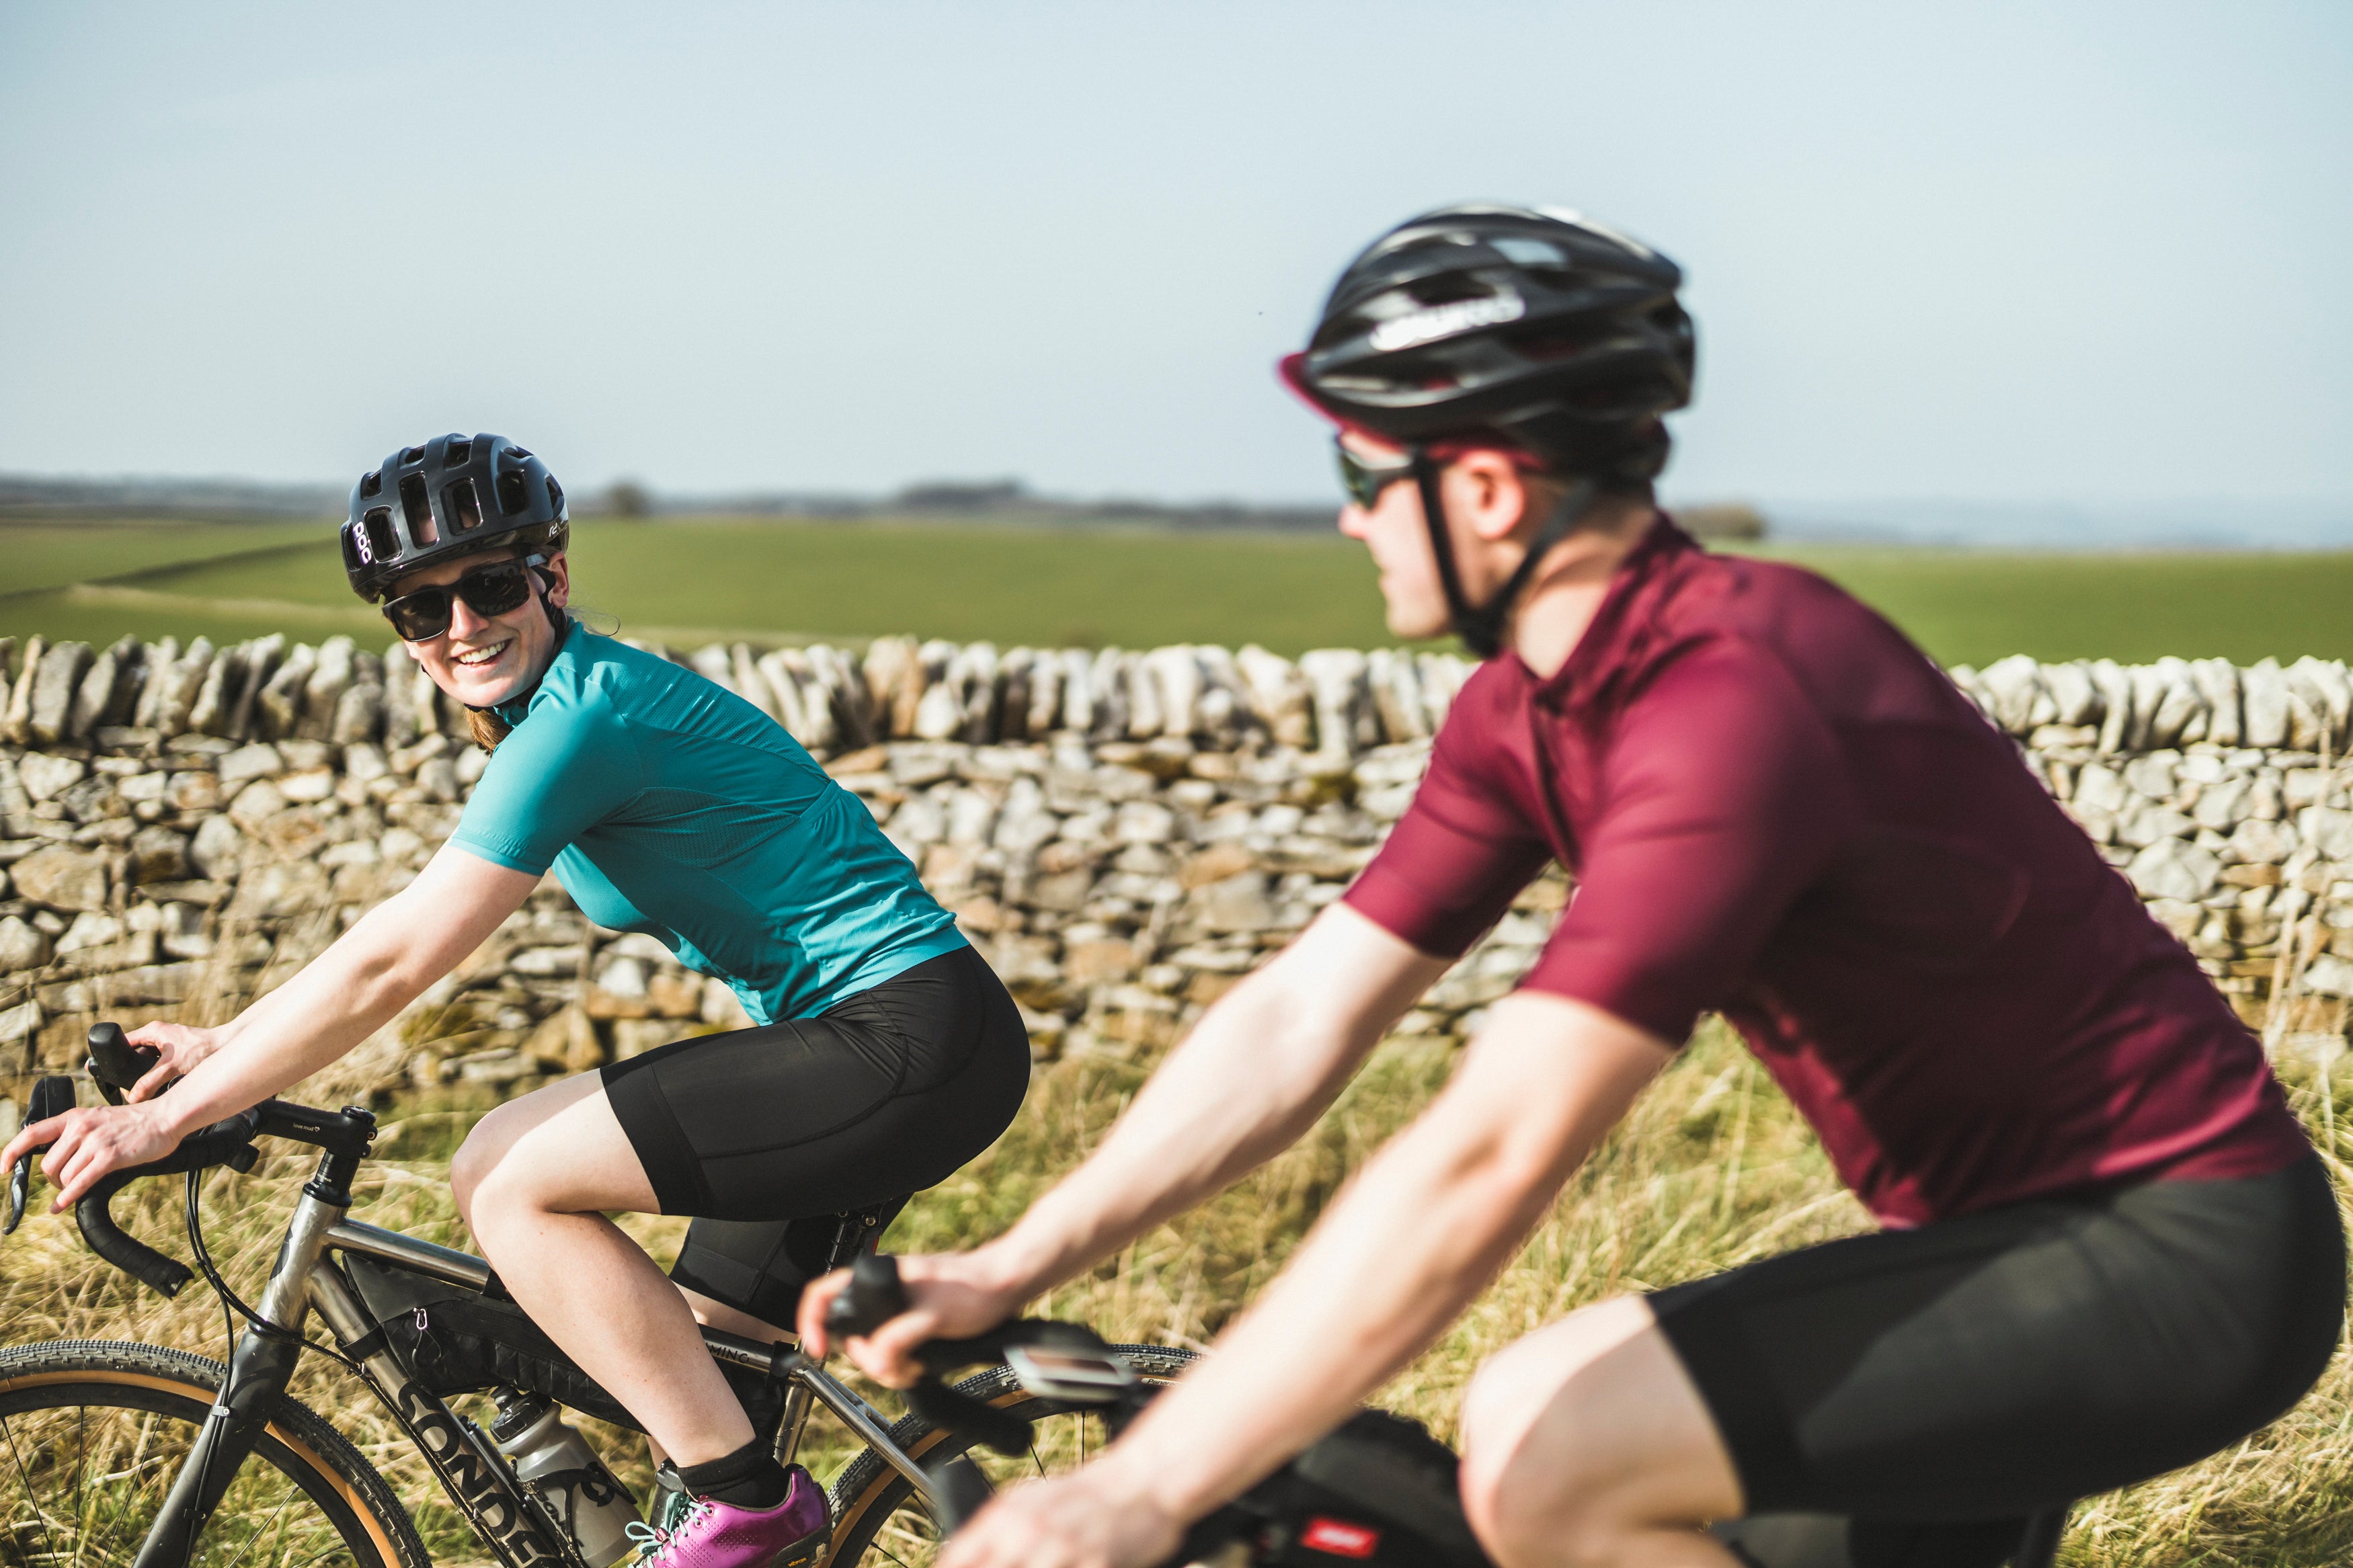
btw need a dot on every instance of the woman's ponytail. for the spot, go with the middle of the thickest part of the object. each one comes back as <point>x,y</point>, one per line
<point>487,727</point>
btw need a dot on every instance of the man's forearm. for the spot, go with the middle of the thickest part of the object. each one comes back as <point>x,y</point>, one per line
<point>1407,1246</point>
<point>1254,1075</point>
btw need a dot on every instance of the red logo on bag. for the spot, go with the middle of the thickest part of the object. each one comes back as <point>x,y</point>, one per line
<point>1339,1537</point>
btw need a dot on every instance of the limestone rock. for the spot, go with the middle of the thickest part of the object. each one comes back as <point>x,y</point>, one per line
<point>2013,684</point>
<point>1236,904</point>
<point>323,688</point>
<point>279,706</point>
<point>246,764</point>
<point>2116,690</point>
<point>256,804</point>
<point>158,855</point>
<point>261,662</point>
<point>217,847</point>
<point>46,777</point>
<point>23,945</point>
<point>2265,702</point>
<point>16,720</point>
<point>61,878</point>
<point>1335,678</point>
<point>21,1022</point>
<point>55,685</point>
<point>2170,868</point>
<point>94,701</point>
<point>2327,831</point>
<point>359,714</point>
<point>2074,700</point>
<point>1396,688</point>
<point>180,686</point>
<point>215,699</point>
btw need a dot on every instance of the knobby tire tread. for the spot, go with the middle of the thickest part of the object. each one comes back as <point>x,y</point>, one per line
<point>111,1362</point>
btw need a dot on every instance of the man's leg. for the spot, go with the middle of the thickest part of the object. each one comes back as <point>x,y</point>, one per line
<point>532,1181</point>
<point>1586,1443</point>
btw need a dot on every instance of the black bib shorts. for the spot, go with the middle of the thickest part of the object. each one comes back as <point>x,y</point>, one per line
<point>1983,1369</point>
<point>768,1136</point>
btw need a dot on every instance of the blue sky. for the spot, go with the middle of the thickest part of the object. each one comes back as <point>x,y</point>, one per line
<point>2090,255</point>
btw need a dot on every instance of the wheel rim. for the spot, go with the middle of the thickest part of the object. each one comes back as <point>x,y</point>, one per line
<point>87,1459</point>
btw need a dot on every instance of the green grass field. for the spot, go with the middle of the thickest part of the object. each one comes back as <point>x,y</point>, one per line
<point>684,581</point>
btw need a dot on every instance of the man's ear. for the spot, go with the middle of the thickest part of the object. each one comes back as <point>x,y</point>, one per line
<point>1489,494</point>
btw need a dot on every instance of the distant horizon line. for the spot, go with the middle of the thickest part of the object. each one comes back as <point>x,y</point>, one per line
<point>2191,522</point>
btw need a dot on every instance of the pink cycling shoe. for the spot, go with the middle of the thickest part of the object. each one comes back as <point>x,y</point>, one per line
<point>719,1535</point>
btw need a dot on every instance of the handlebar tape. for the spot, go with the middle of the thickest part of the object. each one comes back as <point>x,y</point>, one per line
<point>126,1252</point>
<point>115,1064</point>
<point>228,1143</point>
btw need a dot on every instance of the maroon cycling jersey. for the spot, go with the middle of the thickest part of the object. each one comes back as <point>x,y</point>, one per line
<point>1775,807</point>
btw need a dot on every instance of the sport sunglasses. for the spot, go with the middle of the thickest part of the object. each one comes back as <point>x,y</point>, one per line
<point>488,590</point>
<point>1364,481</point>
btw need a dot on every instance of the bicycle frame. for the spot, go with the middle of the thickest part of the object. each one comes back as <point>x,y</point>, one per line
<point>476,1478</point>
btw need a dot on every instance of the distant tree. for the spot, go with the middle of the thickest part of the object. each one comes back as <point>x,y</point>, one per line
<point>627,498</point>
<point>1722,519</point>
<point>961,495</point>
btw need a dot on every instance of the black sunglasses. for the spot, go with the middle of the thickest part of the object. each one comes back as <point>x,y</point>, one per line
<point>1364,481</point>
<point>489,590</point>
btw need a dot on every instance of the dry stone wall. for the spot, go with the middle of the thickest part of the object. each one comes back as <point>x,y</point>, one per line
<point>1122,834</point>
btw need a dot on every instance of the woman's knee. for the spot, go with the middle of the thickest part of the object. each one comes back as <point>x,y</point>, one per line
<point>485,1150</point>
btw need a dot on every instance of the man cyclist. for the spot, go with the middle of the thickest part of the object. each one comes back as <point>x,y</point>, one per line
<point>886,1053</point>
<point>2108,1248</point>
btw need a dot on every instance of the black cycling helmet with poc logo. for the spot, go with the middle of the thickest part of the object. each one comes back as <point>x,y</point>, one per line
<point>1533,328</point>
<point>450,497</point>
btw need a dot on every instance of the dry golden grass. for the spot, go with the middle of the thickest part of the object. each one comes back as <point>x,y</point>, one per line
<point>1713,1169</point>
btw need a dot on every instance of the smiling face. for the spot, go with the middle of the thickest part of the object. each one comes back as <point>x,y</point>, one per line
<point>484,660</point>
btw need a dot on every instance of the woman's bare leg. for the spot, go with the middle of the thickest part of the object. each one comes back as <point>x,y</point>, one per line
<point>533,1181</point>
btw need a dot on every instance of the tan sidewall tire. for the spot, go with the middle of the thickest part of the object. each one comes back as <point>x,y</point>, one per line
<point>297,1431</point>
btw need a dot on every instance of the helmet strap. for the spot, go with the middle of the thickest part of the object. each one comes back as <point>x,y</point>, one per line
<point>1481,627</point>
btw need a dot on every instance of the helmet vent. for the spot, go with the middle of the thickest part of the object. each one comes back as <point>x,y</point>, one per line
<point>457,452</point>
<point>1531,252</point>
<point>514,492</point>
<point>383,543</point>
<point>417,509</point>
<point>412,455</point>
<point>462,506</point>
<point>371,484</point>
<point>555,496</point>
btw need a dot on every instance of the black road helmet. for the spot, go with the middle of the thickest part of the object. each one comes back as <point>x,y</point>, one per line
<point>1533,328</point>
<point>452,496</point>
<point>1528,325</point>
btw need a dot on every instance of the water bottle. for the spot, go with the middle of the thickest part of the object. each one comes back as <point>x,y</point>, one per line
<point>564,1472</point>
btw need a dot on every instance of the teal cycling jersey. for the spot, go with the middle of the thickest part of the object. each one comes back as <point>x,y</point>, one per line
<point>670,806</point>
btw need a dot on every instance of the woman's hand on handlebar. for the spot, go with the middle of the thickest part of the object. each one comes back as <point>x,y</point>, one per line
<point>1090,1520</point>
<point>178,1048</point>
<point>950,1297</point>
<point>86,1144</point>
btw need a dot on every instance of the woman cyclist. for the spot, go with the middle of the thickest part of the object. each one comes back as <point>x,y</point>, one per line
<point>885,1053</point>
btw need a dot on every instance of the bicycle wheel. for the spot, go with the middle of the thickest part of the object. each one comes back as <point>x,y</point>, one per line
<point>92,1433</point>
<point>878,1516</point>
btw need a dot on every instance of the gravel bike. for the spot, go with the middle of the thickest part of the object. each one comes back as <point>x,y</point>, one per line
<point>136,1456</point>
